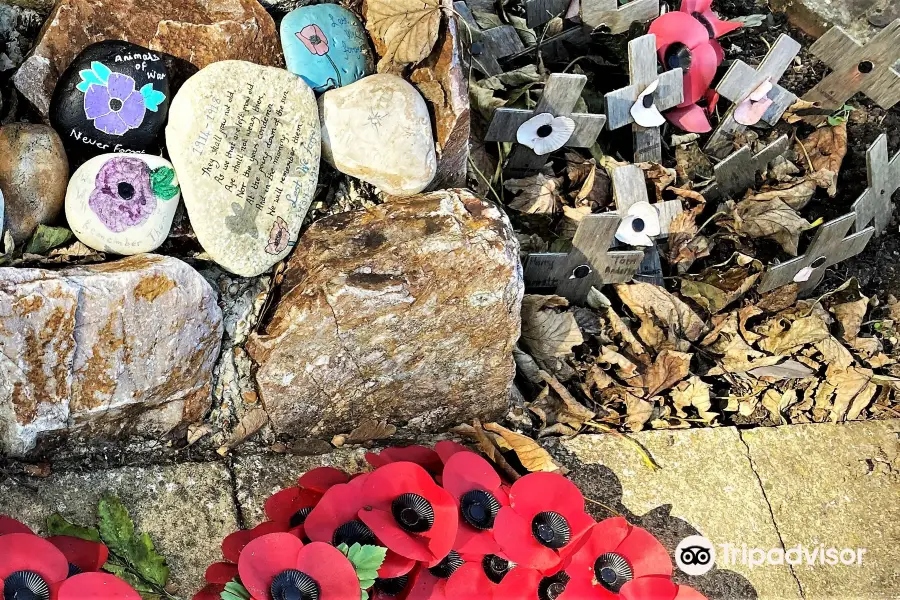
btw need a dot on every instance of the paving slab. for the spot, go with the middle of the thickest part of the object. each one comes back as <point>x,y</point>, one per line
<point>836,485</point>
<point>705,486</point>
<point>187,509</point>
<point>862,19</point>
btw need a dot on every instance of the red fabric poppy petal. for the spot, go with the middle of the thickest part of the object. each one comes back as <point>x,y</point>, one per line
<point>469,581</point>
<point>649,588</point>
<point>426,586</point>
<point>539,492</point>
<point>338,505</point>
<point>376,460</point>
<point>264,558</point>
<point>513,533</point>
<point>28,552</point>
<point>519,583</point>
<point>220,573</point>
<point>689,118</point>
<point>90,586</point>
<point>233,544</point>
<point>387,531</point>
<point>703,71</point>
<point>332,570</point>
<point>692,6</point>
<point>425,457</point>
<point>677,27</point>
<point>385,484</point>
<point>466,471</point>
<point>395,565</point>
<point>321,479</point>
<point>688,593</point>
<point>583,589</point>
<point>9,525</point>
<point>720,52</point>
<point>603,537</point>
<point>719,26</point>
<point>282,505</point>
<point>447,448</point>
<point>88,556</point>
<point>645,554</point>
<point>475,542</point>
<point>211,591</point>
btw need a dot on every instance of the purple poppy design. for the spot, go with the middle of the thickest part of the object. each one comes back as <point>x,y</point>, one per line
<point>115,107</point>
<point>122,195</point>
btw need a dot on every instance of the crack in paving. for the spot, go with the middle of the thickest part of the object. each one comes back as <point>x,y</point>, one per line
<point>762,489</point>
<point>238,508</point>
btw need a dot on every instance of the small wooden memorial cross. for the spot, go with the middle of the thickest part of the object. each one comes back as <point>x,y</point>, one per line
<point>737,173</point>
<point>489,45</point>
<point>874,205</point>
<point>618,19</point>
<point>560,95</point>
<point>642,69</point>
<point>589,263</point>
<point>742,80</point>
<point>828,247</point>
<point>857,68</point>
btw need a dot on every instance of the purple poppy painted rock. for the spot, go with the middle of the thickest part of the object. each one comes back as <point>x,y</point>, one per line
<point>113,98</point>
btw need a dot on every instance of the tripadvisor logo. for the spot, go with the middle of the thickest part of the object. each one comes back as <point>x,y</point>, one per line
<point>696,555</point>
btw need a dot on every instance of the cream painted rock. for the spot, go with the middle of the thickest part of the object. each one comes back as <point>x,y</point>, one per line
<point>125,347</point>
<point>407,311</point>
<point>123,203</point>
<point>245,143</point>
<point>378,130</point>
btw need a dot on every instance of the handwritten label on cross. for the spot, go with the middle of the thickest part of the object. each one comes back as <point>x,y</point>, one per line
<point>589,263</point>
<point>618,19</point>
<point>489,45</point>
<point>874,205</point>
<point>742,80</point>
<point>857,68</point>
<point>642,69</point>
<point>560,95</point>
<point>828,247</point>
<point>737,173</point>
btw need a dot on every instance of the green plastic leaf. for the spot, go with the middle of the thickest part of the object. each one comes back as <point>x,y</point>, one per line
<point>58,525</point>
<point>47,238</point>
<point>363,595</point>
<point>117,532</point>
<point>161,183</point>
<point>235,591</point>
<point>366,560</point>
<point>344,548</point>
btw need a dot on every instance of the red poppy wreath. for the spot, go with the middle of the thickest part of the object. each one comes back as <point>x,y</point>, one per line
<point>438,524</point>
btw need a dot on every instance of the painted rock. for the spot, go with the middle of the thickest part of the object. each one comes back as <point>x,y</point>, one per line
<point>245,142</point>
<point>378,130</point>
<point>326,45</point>
<point>33,176</point>
<point>123,204</point>
<point>114,97</point>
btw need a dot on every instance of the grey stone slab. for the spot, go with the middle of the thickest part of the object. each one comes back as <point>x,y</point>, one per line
<point>837,485</point>
<point>705,486</point>
<point>187,509</point>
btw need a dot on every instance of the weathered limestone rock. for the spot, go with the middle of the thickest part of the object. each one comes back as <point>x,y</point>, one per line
<point>116,348</point>
<point>198,31</point>
<point>407,312</point>
<point>862,19</point>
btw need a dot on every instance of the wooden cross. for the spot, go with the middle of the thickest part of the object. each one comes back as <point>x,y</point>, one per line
<point>742,80</point>
<point>828,247</point>
<point>560,95</point>
<point>857,68</point>
<point>589,263</point>
<point>642,69</point>
<point>489,45</point>
<point>608,13</point>
<point>737,173</point>
<point>874,205</point>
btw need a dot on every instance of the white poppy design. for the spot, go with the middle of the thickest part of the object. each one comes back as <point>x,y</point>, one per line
<point>545,133</point>
<point>639,226</point>
<point>644,111</point>
<point>751,111</point>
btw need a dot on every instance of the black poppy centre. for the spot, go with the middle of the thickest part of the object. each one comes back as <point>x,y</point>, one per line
<point>413,513</point>
<point>479,509</point>
<point>612,571</point>
<point>294,585</point>
<point>495,567</point>
<point>550,529</point>
<point>25,585</point>
<point>638,225</point>
<point>545,131</point>
<point>299,518</point>
<point>448,565</point>
<point>678,55</point>
<point>551,588</point>
<point>353,532</point>
<point>125,190</point>
<point>392,586</point>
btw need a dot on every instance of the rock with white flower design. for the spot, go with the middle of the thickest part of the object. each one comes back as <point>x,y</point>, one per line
<point>123,204</point>
<point>114,97</point>
<point>379,130</point>
<point>326,45</point>
<point>245,142</point>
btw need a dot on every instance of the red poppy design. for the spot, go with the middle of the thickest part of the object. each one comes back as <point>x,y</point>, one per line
<point>314,39</point>
<point>479,578</point>
<point>9,525</point>
<point>434,583</point>
<point>86,556</point>
<point>211,591</point>
<point>393,588</point>
<point>280,565</point>
<point>448,448</point>
<point>522,583</point>
<point>613,554</point>
<point>426,458</point>
<point>475,485</point>
<point>291,506</point>
<point>90,586</point>
<point>29,563</point>
<point>409,512</point>
<point>321,479</point>
<point>234,544</point>
<point>702,11</point>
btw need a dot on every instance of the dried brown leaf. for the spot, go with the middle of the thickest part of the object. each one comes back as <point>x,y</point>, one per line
<point>532,456</point>
<point>796,194</point>
<point>659,310</point>
<point>714,289</point>
<point>805,330</point>
<point>770,219</point>
<point>669,368</point>
<point>548,333</point>
<point>825,149</point>
<point>404,31</point>
<point>537,194</point>
<point>685,242</point>
<point>854,392</point>
<point>693,392</point>
<point>250,423</point>
<point>370,429</point>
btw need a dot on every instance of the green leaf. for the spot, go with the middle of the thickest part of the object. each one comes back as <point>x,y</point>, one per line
<point>344,548</point>
<point>140,586</point>
<point>58,525</point>
<point>366,560</point>
<point>161,183</point>
<point>363,595</point>
<point>47,238</point>
<point>117,532</point>
<point>834,121</point>
<point>235,591</point>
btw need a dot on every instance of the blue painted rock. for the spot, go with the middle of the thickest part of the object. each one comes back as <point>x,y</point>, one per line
<point>114,97</point>
<point>326,45</point>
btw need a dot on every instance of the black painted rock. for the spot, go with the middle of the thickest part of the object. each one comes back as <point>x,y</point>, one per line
<point>114,97</point>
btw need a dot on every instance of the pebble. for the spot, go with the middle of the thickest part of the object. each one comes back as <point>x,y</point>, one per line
<point>34,171</point>
<point>326,45</point>
<point>123,204</point>
<point>245,143</point>
<point>114,97</point>
<point>379,130</point>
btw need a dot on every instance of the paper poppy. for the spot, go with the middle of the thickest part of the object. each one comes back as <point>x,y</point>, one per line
<point>279,566</point>
<point>409,513</point>
<point>83,556</point>
<point>475,485</point>
<point>9,525</point>
<point>392,588</point>
<point>234,544</point>
<point>291,506</point>
<point>614,553</point>
<point>30,566</point>
<point>544,519</point>
<point>430,583</point>
<point>544,133</point>
<point>90,586</point>
<point>682,41</point>
<point>640,225</point>
<point>479,578</point>
<point>447,448</point>
<point>426,458</point>
<point>321,479</point>
<point>701,10</point>
<point>655,587</point>
<point>521,583</point>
